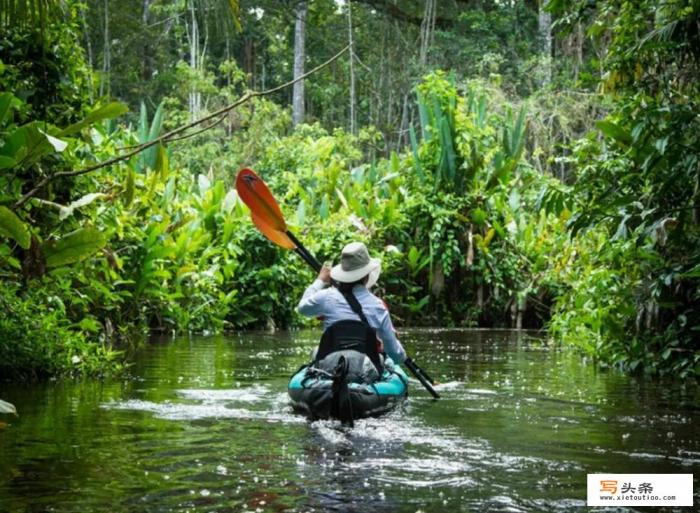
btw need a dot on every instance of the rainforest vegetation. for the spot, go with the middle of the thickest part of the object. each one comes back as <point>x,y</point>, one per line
<point>514,163</point>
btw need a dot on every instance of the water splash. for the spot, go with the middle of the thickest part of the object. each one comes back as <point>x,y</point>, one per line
<point>262,403</point>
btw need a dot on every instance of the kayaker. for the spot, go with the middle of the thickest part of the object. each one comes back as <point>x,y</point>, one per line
<point>355,274</point>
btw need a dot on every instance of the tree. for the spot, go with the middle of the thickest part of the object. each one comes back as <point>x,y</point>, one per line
<point>544,18</point>
<point>353,98</point>
<point>299,56</point>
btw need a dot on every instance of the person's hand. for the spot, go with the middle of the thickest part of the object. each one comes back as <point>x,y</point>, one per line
<point>325,274</point>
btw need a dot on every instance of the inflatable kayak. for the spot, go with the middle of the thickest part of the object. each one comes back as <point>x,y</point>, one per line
<point>323,394</point>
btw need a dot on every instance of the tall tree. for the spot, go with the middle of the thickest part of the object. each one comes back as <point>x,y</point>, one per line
<point>88,46</point>
<point>427,30</point>
<point>544,19</point>
<point>299,57</point>
<point>353,99</point>
<point>106,60</point>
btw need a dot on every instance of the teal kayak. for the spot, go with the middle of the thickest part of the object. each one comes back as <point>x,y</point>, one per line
<point>312,392</point>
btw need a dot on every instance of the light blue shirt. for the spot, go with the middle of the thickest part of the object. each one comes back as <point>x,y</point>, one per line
<point>328,302</point>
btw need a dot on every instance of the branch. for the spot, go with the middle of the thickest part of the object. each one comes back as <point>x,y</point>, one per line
<point>394,11</point>
<point>199,131</point>
<point>171,135</point>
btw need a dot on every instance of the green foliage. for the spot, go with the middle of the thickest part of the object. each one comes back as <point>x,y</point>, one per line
<point>48,74</point>
<point>73,247</point>
<point>631,295</point>
<point>12,227</point>
<point>147,133</point>
<point>161,249</point>
<point>33,13</point>
<point>452,191</point>
<point>37,338</point>
<point>100,113</point>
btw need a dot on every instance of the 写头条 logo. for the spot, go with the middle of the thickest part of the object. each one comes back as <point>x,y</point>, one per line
<point>640,489</point>
<point>611,486</point>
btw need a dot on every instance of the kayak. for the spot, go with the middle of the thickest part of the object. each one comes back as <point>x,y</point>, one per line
<point>315,393</point>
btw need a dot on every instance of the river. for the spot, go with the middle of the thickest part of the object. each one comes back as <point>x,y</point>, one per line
<point>203,424</point>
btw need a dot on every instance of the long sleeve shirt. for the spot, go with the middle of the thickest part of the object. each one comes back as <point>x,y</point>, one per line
<point>327,302</point>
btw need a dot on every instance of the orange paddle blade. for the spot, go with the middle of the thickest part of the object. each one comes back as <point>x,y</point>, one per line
<point>255,194</point>
<point>276,236</point>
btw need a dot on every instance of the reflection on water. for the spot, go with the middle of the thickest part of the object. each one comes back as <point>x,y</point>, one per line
<point>203,424</point>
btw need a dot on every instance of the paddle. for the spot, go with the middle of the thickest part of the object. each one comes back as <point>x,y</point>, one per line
<point>268,218</point>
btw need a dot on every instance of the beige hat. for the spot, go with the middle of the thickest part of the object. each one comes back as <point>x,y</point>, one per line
<point>355,264</point>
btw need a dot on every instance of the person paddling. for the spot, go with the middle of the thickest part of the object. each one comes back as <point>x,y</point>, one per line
<point>355,274</point>
<point>342,337</point>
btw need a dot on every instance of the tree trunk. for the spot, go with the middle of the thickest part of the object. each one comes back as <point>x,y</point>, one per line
<point>353,100</point>
<point>146,71</point>
<point>544,19</point>
<point>249,60</point>
<point>194,100</point>
<point>427,29</point>
<point>579,49</point>
<point>263,75</point>
<point>522,306</point>
<point>88,48</point>
<point>401,140</point>
<point>299,57</point>
<point>106,65</point>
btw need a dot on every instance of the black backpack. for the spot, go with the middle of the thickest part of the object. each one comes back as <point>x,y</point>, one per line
<point>343,336</point>
<point>349,335</point>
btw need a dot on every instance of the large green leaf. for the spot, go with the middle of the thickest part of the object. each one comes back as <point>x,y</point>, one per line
<point>146,134</point>
<point>6,162</point>
<point>424,118</point>
<point>614,131</point>
<point>5,103</point>
<point>12,227</point>
<point>416,159</point>
<point>518,135</point>
<point>692,273</point>
<point>161,165</point>
<point>142,132</point>
<point>129,188</point>
<point>301,213</point>
<point>324,209</point>
<point>156,124</point>
<point>73,247</point>
<point>450,156</point>
<point>111,110</point>
<point>28,143</point>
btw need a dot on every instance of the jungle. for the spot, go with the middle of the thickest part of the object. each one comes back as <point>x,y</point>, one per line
<point>515,164</point>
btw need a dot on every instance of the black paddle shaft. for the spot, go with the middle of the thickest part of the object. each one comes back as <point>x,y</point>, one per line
<point>422,376</point>
<point>304,253</point>
<point>419,373</point>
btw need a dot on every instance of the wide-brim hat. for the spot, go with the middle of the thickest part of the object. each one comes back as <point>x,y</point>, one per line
<point>355,264</point>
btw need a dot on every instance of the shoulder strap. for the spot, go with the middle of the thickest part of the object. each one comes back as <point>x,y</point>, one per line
<point>371,341</point>
<point>354,304</point>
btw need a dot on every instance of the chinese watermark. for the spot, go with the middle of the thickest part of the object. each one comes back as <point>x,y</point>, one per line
<point>640,489</point>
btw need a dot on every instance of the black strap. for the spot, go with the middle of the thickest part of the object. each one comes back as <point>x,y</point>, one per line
<point>341,403</point>
<point>354,304</point>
